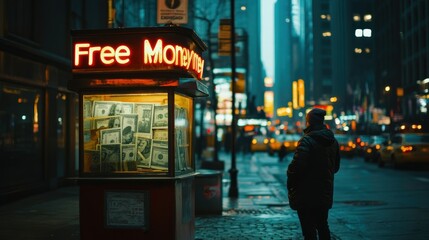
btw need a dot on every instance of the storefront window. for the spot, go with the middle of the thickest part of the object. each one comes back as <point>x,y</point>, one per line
<point>21,128</point>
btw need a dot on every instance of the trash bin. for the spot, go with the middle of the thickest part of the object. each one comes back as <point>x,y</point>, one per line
<point>208,192</point>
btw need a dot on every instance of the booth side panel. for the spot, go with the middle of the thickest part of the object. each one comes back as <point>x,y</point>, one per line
<point>185,205</point>
<point>161,219</point>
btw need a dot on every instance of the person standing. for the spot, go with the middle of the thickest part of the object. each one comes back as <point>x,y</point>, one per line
<point>310,176</point>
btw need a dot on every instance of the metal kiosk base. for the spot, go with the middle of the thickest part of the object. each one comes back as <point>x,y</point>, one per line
<point>137,208</point>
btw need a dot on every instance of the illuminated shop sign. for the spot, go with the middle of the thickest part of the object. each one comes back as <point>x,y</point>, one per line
<point>121,52</point>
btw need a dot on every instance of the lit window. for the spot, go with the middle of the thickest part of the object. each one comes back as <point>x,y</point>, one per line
<point>358,50</point>
<point>358,32</point>
<point>356,17</point>
<point>326,34</point>
<point>367,18</point>
<point>325,17</point>
<point>367,32</point>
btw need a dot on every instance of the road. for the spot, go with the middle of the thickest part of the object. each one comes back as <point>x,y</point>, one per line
<point>378,203</point>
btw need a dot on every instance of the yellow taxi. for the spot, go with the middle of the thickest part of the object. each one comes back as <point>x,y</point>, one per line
<point>346,144</point>
<point>405,148</point>
<point>259,143</point>
<point>289,141</point>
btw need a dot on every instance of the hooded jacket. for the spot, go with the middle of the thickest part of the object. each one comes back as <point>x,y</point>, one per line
<point>310,175</point>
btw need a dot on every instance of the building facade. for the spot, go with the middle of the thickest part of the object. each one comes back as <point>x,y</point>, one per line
<point>414,27</point>
<point>38,114</point>
<point>332,51</point>
<point>402,81</point>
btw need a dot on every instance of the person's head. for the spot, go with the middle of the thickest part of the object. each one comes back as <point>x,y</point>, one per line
<point>142,143</point>
<point>315,117</point>
<point>114,122</point>
<point>127,134</point>
<point>118,109</point>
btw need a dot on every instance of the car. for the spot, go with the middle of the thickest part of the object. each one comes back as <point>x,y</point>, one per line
<point>371,150</point>
<point>291,142</point>
<point>288,140</point>
<point>361,144</point>
<point>275,143</point>
<point>405,148</point>
<point>259,143</point>
<point>346,144</point>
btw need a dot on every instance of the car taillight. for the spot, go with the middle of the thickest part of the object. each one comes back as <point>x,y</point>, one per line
<point>406,149</point>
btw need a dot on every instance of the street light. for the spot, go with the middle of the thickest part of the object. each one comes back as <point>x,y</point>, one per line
<point>388,107</point>
<point>233,172</point>
<point>387,89</point>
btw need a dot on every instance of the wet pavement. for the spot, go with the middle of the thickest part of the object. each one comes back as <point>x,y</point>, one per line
<point>261,210</point>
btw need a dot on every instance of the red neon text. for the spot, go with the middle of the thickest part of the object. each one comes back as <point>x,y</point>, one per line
<point>107,54</point>
<point>173,55</point>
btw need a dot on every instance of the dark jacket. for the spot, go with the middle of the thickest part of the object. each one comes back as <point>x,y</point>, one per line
<point>310,181</point>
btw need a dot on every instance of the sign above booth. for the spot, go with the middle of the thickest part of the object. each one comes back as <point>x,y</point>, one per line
<point>161,52</point>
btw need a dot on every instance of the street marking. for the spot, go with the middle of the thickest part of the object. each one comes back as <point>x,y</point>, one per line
<point>422,179</point>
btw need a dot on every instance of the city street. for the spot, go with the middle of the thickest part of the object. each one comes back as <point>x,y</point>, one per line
<point>378,203</point>
<point>369,203</point>
<point>179,119</point>
<point>382,203</point>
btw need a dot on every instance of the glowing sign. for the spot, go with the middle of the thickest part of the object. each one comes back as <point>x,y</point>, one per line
<point>145,52</point>
<point>108,54</point>
<point>295,95</point>
<point>173,55</point>
<point>301,93</point>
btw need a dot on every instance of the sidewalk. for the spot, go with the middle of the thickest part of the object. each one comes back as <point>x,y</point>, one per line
<point>260,212</point>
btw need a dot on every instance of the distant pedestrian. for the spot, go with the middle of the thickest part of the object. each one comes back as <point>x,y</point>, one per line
<point>310,176</point>
<point>282,152</point>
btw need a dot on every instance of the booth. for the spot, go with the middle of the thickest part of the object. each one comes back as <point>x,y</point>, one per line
<point>136,89</point>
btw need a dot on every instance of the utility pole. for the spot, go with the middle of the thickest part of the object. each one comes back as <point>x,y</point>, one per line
<point>233,172</point>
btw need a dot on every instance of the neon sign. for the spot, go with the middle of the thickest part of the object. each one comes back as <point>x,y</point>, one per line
<point>173,55</point>
<point>143,52</point>
<point>108,54</point>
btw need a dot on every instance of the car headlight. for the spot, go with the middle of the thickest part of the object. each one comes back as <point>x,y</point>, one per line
<point>406,149</point>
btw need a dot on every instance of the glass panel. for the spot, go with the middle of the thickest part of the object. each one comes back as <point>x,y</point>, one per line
<point>21,18</point>
<point>125,133</point>
<point>20,135</point>
<point>61,133</point>
<point>183,132</point>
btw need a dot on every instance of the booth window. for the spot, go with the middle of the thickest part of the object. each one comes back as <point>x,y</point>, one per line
<point>129,133</point>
